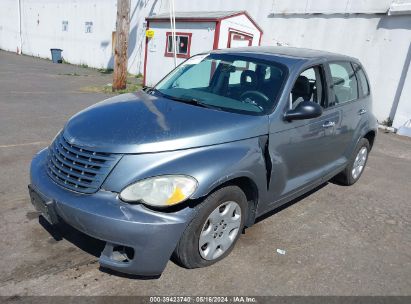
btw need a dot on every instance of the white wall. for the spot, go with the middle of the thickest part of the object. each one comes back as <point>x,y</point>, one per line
<point>42,29</point>
<point>403,110</point>
<point>159,65</point>
<point>140,9</point>
<point>9,25</point>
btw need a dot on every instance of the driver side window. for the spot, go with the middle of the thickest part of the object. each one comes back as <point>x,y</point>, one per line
<point>309,86</point>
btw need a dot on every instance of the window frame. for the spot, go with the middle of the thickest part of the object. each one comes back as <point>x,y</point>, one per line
<point>324,79</point>
<point>171,54</point>
<point>330,82</point>
<point>231,32</point>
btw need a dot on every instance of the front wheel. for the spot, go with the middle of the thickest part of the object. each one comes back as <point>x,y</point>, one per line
<point>351,174</point>
<point>215,229</point>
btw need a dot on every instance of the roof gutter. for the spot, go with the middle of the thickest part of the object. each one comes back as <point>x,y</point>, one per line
<point>399,8</point>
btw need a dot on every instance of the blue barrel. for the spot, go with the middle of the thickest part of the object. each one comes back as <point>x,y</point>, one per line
<point>56,55</point>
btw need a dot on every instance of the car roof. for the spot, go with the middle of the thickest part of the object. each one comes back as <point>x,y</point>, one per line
<point>283,51</point>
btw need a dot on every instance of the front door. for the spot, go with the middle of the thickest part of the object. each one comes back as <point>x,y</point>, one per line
<point>298,150</point>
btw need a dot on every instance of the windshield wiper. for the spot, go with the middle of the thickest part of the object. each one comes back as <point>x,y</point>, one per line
<point>193,101</point>
<point>150,90</point>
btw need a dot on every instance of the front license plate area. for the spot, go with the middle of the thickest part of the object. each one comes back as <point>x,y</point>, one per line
<point>44,206</point>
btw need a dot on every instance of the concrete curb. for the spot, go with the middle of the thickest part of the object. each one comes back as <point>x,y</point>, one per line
<point>389,129</point>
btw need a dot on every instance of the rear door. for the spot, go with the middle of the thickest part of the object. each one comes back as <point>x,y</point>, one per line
<point>363,104</point>
<point>344,105</point>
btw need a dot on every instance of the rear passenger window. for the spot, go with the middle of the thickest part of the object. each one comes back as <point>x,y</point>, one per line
<point>344,82</point>
<point>362,79</point>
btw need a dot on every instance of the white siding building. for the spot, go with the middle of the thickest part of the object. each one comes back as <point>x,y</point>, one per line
<point>378,32</point>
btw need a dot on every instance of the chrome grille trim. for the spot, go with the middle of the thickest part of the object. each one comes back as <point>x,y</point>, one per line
<point>78,169</point>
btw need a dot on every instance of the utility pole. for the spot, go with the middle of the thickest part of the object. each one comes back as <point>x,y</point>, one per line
<point>121,45</point>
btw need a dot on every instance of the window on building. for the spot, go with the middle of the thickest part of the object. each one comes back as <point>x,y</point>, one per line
<point>344,83</point>
<point>89,26</point>
<point>182,44</point>
<point>64,24</point>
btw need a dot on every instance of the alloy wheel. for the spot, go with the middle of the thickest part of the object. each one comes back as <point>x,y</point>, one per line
<point>220,230</point>
<point>359,162</point>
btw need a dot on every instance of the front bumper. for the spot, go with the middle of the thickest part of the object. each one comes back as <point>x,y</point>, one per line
<point>152,235</point>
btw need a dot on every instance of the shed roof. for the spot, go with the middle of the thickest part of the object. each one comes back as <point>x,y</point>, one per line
<point>203,16</point>
<point>213,15</point>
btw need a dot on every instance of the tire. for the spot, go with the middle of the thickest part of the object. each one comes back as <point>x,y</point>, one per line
<point>347,176</point>
<point>210,212</point>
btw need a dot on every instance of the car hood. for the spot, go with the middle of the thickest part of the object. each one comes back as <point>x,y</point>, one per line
<point>143,123</point>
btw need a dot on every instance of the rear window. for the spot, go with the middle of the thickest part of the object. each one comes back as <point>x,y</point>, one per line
<point>362,80</point>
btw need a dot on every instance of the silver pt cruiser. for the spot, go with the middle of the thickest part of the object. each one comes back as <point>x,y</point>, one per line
<point>182,168</point>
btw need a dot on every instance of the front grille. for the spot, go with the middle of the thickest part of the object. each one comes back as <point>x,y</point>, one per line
<point>76,168</point>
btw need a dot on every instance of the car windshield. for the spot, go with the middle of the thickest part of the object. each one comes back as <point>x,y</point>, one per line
<point>226,82</point>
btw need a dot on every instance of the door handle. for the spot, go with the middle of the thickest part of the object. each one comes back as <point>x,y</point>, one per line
<point>328,124</point>
<point>362,112</point>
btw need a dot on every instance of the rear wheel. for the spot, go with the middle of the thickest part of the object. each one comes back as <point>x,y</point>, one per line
<point>352,173</point>
<point>215,229</point>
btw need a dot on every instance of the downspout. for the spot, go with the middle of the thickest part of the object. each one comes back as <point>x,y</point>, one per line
<point>173,31</point>
<point>19,51</point>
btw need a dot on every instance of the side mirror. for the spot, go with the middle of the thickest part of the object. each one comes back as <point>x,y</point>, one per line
<point>304,110</point>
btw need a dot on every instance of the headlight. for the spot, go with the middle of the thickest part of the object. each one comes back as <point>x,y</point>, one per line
<point>160,191</point>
